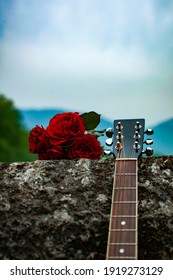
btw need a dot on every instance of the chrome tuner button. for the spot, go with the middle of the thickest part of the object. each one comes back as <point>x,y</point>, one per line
<point>136,145</point>
<point>109,142</point>
<point>149,131</point>
<point>119,136</point>
<point>108,153</point>
<point>119,126</point>
<point>118,146</point>
<point>138,126</point>
<point>136,135</point>
<point>148,142</point>
<point>109,132</point>
<point>149,152</point>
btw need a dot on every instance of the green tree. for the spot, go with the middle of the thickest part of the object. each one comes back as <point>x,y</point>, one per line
<point>13,135</point>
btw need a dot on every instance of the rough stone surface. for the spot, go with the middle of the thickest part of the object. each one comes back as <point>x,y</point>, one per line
<point>60,209</point>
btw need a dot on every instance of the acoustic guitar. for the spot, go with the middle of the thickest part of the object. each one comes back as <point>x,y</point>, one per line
<point>127,140</point>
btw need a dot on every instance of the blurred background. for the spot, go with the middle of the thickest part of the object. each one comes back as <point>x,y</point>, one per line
<point>111,56</point>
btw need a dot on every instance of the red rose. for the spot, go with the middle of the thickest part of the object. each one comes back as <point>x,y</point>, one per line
<point>43,156</point>
<point>56,153</point>
<point>64,128</point>
<point>53,153</point>
<point>86,146</point>
<point>38,140</point>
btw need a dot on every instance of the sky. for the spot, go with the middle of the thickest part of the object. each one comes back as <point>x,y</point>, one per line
<point>111,56</point>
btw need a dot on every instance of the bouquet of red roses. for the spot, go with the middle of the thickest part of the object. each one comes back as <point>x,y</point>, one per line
<point>65,137</point>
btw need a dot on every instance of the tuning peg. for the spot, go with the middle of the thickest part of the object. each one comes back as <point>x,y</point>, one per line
<point>119,126</point>
<point>149,131</point>
<point>138,126</point>
<point>109,132</point>
<point>136,135</point>
<point>119,136</point>
<point>149,152</point>
<point>136,145</point>
<point>148,142</point>
<point>108,153</point>
<point>109,142</point>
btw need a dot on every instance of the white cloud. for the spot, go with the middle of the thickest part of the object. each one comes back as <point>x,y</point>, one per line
<point>68,52</point>
<point>94,38</point>
<point>93,21</point>
<point>52,61</point>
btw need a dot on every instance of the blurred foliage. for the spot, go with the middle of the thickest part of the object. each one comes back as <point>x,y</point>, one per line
<point>13,135</point>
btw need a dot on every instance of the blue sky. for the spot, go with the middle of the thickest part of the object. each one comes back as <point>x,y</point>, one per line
<point>111,56</point>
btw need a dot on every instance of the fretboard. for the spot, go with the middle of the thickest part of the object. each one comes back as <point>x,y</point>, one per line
<point>122,236</point>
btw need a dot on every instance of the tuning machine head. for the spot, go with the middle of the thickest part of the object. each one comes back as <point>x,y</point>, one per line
<point>149,131</point>
<point>109,153</point>
<point>148,141</point>
<point>109,141</point>
<point>109,132</point>
<point>148,151</point>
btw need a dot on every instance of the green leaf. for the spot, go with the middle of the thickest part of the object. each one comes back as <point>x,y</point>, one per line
<point>90,120</point>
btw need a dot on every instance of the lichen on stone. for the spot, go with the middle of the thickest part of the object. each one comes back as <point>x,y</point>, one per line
<point>60,209</point>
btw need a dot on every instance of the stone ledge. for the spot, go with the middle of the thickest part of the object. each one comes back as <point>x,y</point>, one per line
<point>60,209</point>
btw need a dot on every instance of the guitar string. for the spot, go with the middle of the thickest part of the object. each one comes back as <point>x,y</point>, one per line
<point>130,166</point>
<point>119,205</point>
<point>131,169</point>
<point>125,197</point>
<point>133,193</point>
<point>111,233</point>
<point>111,214</point>
<point>116,207</point>
<point>136,205</point>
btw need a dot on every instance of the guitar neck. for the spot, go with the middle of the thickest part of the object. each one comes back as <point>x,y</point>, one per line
<point>122,236</point>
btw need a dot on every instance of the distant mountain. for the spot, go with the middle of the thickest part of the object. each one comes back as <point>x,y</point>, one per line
<point>32,117</point>
<point>163,132</point>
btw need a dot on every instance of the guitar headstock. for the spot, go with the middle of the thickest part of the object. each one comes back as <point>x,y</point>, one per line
<point>128,138</point>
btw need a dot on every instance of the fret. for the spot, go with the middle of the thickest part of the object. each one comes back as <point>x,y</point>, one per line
<point>122,243</point>
<point>133,229</point>
<point>124,202</point>
<point>121,258</point>
<point>125,174</point>
<point>125,159</point>
<point>130,216</point>
<point>125,188</point>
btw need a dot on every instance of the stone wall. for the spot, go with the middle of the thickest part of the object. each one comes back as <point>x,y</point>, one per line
<point>60,209</point>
